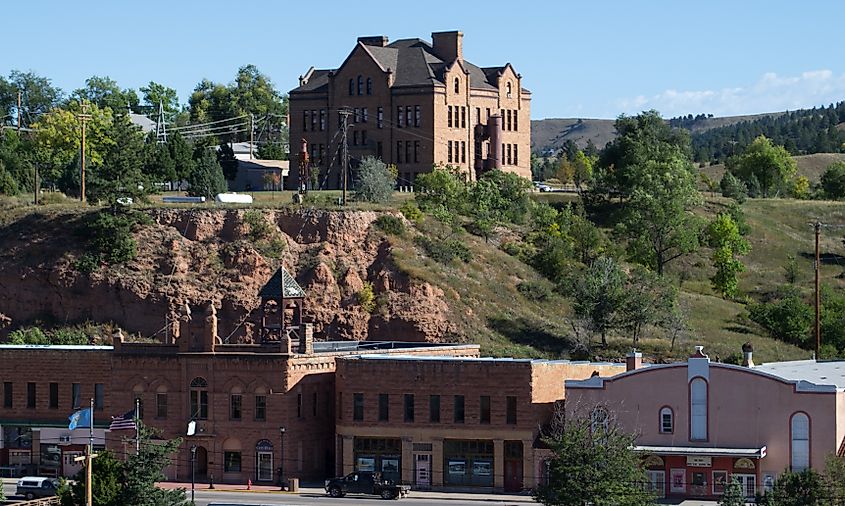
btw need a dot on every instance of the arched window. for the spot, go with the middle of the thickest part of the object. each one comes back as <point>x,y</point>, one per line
<point>508,89</point>
<point>698,409</point>
<point>360,85</point>
<point>352,86</point>
<point>599,420</point>
<point>199,399</point>
<point>369,86</point>
<point>800,448</point>
<point>667,420</point>
<point>457,85</point>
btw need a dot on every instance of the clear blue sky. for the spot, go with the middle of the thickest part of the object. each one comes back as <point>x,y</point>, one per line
<point>591,58</point>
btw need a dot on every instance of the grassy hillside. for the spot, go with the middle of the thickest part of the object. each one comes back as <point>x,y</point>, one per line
<point>811,166</point>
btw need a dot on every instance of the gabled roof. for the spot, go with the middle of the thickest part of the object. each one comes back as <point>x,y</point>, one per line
<point>273,288</point>
<point>413,63</point>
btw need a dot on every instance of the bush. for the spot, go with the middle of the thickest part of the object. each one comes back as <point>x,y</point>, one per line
<point>109,236</point>
<point>258,227</point>
<point>733,188</point>
<point>444,250</point>
<point>374,181</point>
<point>833,181</point>
<point>787,317</point>
<point>367,298</point>
<point>534,291</point>
<point>411,212</point>
<point>390,224</point>
<point>34,335</point>
<point>272,248</point>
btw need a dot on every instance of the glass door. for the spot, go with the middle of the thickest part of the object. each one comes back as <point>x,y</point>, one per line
<point>748,483</point>
<point>265,466</point>
<point>657,483</point>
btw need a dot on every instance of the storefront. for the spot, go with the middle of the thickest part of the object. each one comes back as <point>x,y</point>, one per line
<point>264,460</point>
<point>382,455</point>
<point>703,472</point>
<point>468,462</point>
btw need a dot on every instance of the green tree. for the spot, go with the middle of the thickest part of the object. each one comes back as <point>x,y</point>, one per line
<point>598,295</point>
<point>106,482</point>
<point>834,479</point>
<point>441,191</point>
<point>582,173</point>
<point>181,152</point>
<point>770,165</point>
<point>734,495</point>
<point>228,162</point>
<point>723,235</point>
<point>657,220</point>
<point>144,469</point>
<point>158,164</point>
<point>833,181</point>
<point>786,315</point>
<point>105,92</point>
<point>374,180</point>
<point>121,173</point>
<point>733,188</point>
<point>648,300</point>
<point>272,151</point>
<point>155,93</point>
<point>38,96</point>
<point>206,178</point>
<point>804,488</point>
<point>591,466</point>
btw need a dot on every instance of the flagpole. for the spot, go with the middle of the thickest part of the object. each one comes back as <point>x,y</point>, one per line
<point>89,493</point>
<point>137,429</point>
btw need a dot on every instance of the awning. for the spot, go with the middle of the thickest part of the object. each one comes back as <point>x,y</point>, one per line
<point>752,453</point>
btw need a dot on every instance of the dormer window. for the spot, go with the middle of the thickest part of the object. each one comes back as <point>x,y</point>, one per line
<point>457,85</point>
<point>508,89</point>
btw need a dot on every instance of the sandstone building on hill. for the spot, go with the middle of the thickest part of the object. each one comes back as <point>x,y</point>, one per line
<point>414,104</point>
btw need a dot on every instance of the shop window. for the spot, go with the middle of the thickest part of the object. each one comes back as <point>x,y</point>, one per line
<point>161,405</point>
<point>383,407</point>
<point>484,414</point>
<point>199,399</point>
<point>698,410</point>
<point>720,479</point>
<point>235,406</point>
<point>358,407</point>
<point>459,412</point>
<point>261,407</point>
<point>510,410</point>
<point>800,435</point>
<point>667,420</point>
<point>434,409</point>
<point>54,395</point>
<point>409,408</point>
<point>30,395</point>
<point>232,462</point>
<point>468,462</point>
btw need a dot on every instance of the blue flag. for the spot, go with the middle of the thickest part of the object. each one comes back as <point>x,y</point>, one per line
<point>80,419</point>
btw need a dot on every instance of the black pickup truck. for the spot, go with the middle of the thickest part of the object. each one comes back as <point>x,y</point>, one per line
<point>365,482</point>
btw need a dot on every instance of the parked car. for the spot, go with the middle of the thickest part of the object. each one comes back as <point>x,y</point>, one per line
<point>31,487</point>
<point>365,482</point>
<point>544,188</point>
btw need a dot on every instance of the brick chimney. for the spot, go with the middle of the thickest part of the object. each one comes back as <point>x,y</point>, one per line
<point>306,342</point>
<point>747,351</point>
<point>633,360</point>
<point>448,46</point>
<point>377,40</point>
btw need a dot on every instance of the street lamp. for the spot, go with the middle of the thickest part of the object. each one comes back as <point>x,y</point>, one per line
<point>282,458</point>
<point>193,461</point>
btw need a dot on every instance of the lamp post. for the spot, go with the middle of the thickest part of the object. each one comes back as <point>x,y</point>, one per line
<point>193,468</point>
<point>282,458</point>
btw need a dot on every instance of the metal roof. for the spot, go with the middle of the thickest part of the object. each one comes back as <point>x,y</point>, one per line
<point>273,288</point>
<point>811,371</point>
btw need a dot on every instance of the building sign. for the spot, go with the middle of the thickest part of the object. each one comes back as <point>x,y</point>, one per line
<point>699,461</point>
<point>264,446</point>
<point>744,464</point>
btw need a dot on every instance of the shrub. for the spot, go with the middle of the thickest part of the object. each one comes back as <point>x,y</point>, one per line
<point>374,181</point>
<point>733,188</point>
<point>110,238</point>
<point>534,291</point>
<point>833,181</point>
<point>367,298</point>
<point>32,335</point>
<point>411,212</point>
<point>272,248</point>
<point>390,224</point>
<point>787,317</point>
<point>258,227</point>
<point>444,250</point>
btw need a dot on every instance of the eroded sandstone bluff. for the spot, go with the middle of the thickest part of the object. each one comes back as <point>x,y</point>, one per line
<point>206,256</point>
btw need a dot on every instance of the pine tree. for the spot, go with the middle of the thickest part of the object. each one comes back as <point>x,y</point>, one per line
<point>206,179</point>
<point>733,494</point>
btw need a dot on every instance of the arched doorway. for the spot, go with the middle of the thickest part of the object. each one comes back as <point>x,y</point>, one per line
<point>201,463</point>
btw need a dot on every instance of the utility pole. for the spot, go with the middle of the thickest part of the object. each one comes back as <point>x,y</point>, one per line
<point>19,113</point>
<point>83,117</point>
<point>251,132</point>
<point>818,227</point>
<point>344,115</point>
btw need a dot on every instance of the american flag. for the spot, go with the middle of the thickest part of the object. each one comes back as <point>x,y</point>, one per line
<point>123,422</point>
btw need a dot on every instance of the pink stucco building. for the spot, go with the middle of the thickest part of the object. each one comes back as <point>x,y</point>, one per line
<point>701,423</point>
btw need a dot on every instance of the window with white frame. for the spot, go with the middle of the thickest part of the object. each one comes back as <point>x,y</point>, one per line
<point>667,420</point>
<point>698,410</point>
<point>800,433</point>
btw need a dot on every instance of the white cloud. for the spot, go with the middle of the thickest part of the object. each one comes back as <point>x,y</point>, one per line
<point>771,93</point>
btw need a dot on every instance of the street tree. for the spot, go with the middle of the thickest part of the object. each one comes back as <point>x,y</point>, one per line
<point>593,462</point>
<point>657,219</point>
<point>770,166</point>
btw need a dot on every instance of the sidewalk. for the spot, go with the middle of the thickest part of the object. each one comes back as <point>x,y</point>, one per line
<point>312,489</point>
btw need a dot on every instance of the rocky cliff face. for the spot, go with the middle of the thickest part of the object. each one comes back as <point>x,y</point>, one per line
<point>210,256</point>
